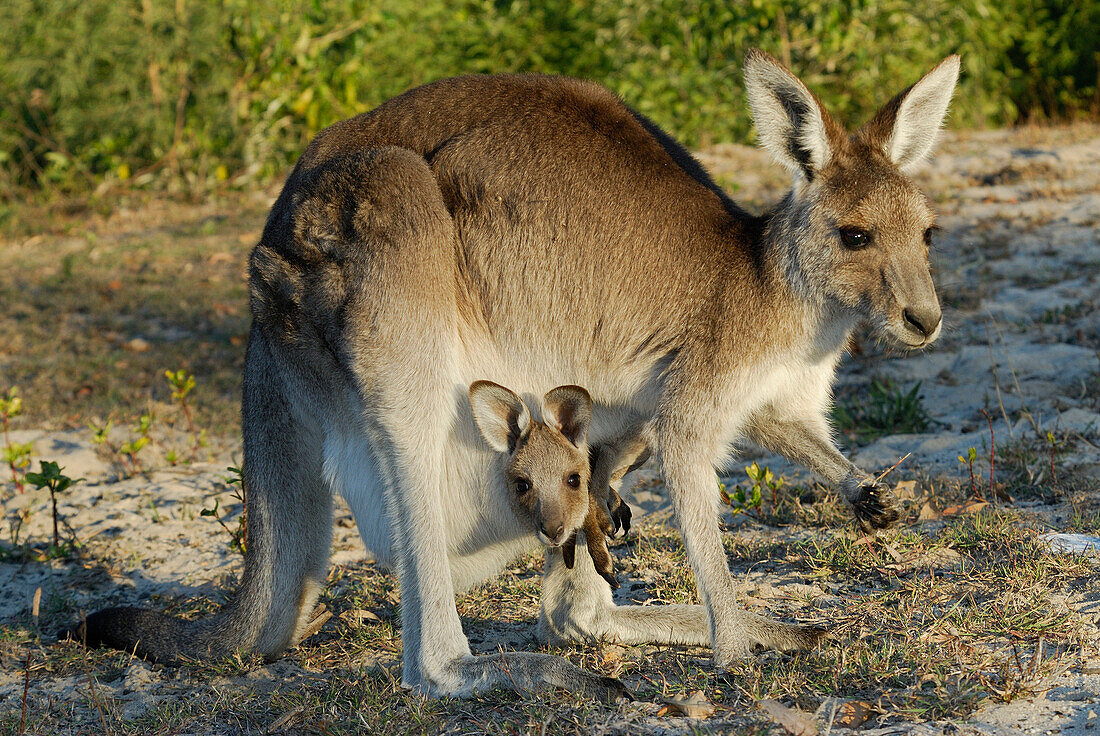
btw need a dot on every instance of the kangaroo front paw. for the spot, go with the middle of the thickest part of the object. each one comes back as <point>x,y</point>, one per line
<point>875,506</point>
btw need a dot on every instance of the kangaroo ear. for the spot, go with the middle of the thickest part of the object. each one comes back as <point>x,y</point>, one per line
<point>501,416</point>
<point>790,122</point>
<point>569,409</point>
<point>906,127</point>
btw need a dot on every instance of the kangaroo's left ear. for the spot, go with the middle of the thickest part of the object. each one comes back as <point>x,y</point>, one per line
<point>790,122</point>
<point>906,127</point>
<point>568,409</point>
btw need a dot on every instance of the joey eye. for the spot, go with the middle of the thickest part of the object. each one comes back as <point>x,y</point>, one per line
<point>522,486</point>
<point>574,481</point>
<point>854,238</point>
<point>928,237</point>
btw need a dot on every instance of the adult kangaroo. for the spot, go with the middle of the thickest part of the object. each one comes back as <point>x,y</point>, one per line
<point>534,231</point>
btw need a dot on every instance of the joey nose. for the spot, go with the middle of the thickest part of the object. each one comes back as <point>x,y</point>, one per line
<point>924,320</point>
<point>553,533</point>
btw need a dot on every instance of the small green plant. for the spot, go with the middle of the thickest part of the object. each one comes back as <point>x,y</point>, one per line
<point>17,455</point>
<point>133,447</point>
<point>968,459</point>
<point>101,434</point>
<point>238,538</point>
<point>182,384</point>
<point>752,498</point>
<point>885,410</point>
<point>51,477</point>
<point>764,478</point>
<point>742,501</point>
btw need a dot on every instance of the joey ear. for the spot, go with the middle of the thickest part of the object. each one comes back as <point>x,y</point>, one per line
<point>500,414</point>
<point>906,127</point>
<point>790,122</point>
<point>569,410</point>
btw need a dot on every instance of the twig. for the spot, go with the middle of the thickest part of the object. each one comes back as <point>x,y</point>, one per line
<point>95,699</point>
<point>832,716</point>
<point>507,671</point>
<point>1053,444</point>
<point>992,454</point>
<point>997,381</point>
<point>892,467</point>
<point>1015,380</point>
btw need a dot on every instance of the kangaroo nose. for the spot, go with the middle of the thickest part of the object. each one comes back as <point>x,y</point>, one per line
<point>923,320</point>
<point>552,533</point>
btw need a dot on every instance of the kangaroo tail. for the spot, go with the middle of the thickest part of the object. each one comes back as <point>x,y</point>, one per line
<point>289,513</point>
<point>148,634</point>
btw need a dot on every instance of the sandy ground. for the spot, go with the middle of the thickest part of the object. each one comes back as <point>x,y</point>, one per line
<point>1018,268</point>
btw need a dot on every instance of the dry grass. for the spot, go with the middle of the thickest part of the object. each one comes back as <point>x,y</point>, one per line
<point>927,623</point>
<point>81,293</point>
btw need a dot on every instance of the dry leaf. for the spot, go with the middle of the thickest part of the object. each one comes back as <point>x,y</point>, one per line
<point>793,721</point>
<point>906,489</point>
<point>137,345</point>
<point>928,512</point>
<point>359,615</point>
<point>891,551</point>
<point>286,720</point>
<point>845,713</point>
<point>695,705</point>
<point>970,507</point>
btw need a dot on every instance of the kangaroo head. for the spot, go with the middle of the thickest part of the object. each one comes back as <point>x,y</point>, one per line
<point>854,231</point>
<point>547,471</point>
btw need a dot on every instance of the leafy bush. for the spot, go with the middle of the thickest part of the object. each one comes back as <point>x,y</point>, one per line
<point>184,93</point>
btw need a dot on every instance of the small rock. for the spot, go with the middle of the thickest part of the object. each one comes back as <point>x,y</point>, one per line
<point>137,345</point>
<point>1081,544</point>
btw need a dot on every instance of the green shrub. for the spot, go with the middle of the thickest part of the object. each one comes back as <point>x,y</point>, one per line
<point>885,409</point>
<point>184,93</point>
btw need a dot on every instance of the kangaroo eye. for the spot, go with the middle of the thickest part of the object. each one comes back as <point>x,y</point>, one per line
<point>574,481</point>
<point>522,486</point>
<point>928,237</point>
<point>854,238</point>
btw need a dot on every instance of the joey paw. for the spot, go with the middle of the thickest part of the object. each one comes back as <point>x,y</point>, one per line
<point>620,519</point>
